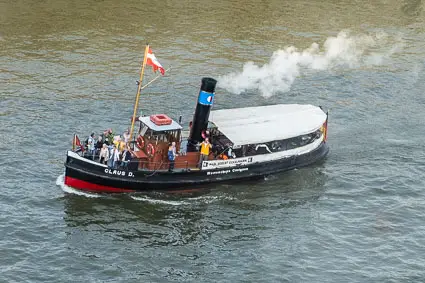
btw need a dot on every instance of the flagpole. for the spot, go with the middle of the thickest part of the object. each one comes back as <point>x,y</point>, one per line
<point>73,143</point>
<point>138,91</point>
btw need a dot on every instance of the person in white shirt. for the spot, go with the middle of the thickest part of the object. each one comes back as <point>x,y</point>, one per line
<point>104,154</point>
<point>91,145</point>
<point>126,136</point>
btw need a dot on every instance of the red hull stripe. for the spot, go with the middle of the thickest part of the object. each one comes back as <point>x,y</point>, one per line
<point>86,186</point>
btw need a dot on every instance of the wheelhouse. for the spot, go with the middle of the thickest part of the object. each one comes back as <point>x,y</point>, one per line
<point>159,133</point>
<point>153,140</point>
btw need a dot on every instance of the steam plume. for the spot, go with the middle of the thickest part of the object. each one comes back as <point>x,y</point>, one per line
<point>286,65</point>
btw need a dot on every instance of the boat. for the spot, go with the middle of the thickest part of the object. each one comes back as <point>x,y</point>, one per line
<point>247,143</point>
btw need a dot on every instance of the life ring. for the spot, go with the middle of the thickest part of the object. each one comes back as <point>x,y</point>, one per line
<point>140,142</point>
<point>150,150</point>
<point>161,119</point>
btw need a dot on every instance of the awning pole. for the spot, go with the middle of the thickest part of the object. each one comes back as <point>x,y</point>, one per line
<point>154,79</point>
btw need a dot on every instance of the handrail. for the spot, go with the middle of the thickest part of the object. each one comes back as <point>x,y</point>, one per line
<point>155,164</point>
<point>141,165</point>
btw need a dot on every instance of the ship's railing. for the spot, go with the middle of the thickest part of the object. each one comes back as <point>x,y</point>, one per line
<point>135,164</point>
<point>164,165</point>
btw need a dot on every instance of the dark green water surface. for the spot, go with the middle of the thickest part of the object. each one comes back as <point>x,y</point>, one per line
<point>70,67</point>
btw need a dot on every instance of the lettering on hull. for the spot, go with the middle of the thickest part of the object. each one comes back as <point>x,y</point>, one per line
<point>119,172</point>
<point>224,172</point>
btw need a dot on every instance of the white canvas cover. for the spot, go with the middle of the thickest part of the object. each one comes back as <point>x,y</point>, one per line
<point>253,125</point>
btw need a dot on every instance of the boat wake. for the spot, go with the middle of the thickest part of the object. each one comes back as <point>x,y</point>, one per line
<point>187,201</point>
<point>60,181</point>
<point>159,201</point>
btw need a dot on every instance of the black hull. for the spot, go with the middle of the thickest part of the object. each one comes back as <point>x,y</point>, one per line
<point>92,177</point>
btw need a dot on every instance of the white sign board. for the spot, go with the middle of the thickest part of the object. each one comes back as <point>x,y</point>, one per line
<point>213,164</point>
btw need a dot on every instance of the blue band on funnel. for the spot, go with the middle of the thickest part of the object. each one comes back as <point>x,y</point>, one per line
<point>205,98</point>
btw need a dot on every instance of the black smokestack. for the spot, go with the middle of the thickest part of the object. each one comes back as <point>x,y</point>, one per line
<point>202,112</point>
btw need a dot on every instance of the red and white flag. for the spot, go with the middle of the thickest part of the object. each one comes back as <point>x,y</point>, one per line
<point>152,61</point>
<point>76,142</point>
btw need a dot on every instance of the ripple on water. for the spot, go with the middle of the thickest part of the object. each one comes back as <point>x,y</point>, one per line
<point>357,217</point>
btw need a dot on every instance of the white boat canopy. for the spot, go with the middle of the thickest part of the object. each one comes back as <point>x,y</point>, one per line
<point>254,125</point>
<point>147,121</point>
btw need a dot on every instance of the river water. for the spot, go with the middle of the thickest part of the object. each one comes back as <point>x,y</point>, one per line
<point>70,67</point>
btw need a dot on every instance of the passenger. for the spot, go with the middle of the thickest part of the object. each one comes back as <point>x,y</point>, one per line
<point>223,156</point>
<point>116,141</point>
<point>183,147</point>
<point>126,136</point>
<point>120,158</point>
<point>104,154</point>
<point>171,156</point>
<point>115,156</point>
<point>205,152</point>
<point>99,145</point>
<point>122,146</point>
<point>174,147</point>
<point>109,136</point>
<point>91,145</point>
<point>110,148</point>
<point>230,153</point>
<point>126,158</point>
<point>110,151</point>
<point>205,134</point>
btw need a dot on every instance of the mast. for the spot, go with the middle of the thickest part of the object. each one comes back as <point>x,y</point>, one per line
<point>139,87</point>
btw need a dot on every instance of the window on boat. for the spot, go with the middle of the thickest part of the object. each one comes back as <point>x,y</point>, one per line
<point>216,137</point>
<point>279,145</point>
<point>163,136</point>
<point>221,143</point>
<point>295,142</point>
<point>144,129</point>
<point>173,136</point>
<point>148,134</point>
<point>159,136</point>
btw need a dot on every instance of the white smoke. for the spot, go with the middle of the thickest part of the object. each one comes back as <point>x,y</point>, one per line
<point>286,65</point>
